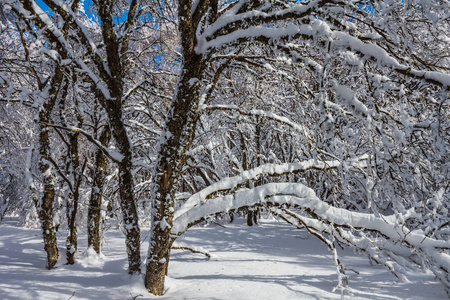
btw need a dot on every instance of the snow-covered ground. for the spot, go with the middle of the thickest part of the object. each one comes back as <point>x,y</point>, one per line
<point>269,261</point>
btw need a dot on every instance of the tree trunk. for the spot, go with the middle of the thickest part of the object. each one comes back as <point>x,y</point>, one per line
<point>127,204</point>
<point>45,211</point>
<point>71,240</point>
<point>177,136</point>
<point>95,202</point>
<point>130,216</point>
<point>250,210</point>
<point>45,205</point>
<point>179,131</point>
<point>114,79</point>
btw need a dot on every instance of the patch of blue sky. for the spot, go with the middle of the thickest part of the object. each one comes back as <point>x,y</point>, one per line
<point>43,6</point>
<point>86,5</point>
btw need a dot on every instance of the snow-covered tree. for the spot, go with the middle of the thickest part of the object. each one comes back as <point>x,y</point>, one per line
<point>357,63</point>
<point>331,115</point>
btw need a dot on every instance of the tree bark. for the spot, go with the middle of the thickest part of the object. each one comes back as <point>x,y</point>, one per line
<point>179,132</point>
<point>71,240</point>
<point>95,202</point>
<point>113,107</point>
<point>180,127</point>
<point>177,136</point>
<point>130,216</point>
<point>45,205</point>
<point>72,201</point>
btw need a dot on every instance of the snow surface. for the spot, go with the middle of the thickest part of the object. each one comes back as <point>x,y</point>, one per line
<point>269,261</point>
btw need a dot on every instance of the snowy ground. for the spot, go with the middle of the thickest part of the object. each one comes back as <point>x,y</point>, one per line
<point>269,261</point>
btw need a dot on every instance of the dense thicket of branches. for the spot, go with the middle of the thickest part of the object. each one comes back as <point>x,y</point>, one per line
<point>331,115</point>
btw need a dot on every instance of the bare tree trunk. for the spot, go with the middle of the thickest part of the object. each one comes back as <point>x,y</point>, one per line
<point>130,216</point>
<point>250,210</point>
<point>178,133</point>
<point>114,79</point>
<point>257,212</point>
<point>180,130</point>
<point>95,202</point>
<point>45,205</point>
<point>77,173</point>
<point>71,240</point>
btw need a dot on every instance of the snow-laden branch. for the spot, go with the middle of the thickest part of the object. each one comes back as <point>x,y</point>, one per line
<point>232,17</point>
<point>393,246</point>
<point>67,13</point>
<point>317,30</point>
<point>254,32</point>
<point>260,113</point>
<point>263,170</point>
<point>342,39</point>
<point>393,240</point>
<point>44,19</point>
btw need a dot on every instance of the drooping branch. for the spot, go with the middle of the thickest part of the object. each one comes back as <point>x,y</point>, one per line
<point>230,183</point>
<point>379,236</point>
<point>259,113</point>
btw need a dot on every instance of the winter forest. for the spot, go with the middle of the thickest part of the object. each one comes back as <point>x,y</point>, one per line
<point>153,118</point>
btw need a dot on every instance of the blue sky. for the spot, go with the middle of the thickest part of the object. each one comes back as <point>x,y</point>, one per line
<point>86,4</point>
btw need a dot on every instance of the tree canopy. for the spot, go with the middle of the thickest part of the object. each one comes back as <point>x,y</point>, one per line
<point>331,115</point>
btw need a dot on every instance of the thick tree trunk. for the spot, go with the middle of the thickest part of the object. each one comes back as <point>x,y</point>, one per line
<point>179,132</point>
<point>114,79</point>
<point>72,207</point>
<point>45,205</point>
<point>127,204</point>
<point>45,211</point>
<point>130,216</point>
<point>95,202</point>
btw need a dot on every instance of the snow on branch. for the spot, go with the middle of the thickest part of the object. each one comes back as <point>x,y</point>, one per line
<point>193,249</point>
<point>251,33</point>
<point>232,16</point>
<point>263,170</point>
<point>342,39</point>
<point>381,237</point>
<point>113,155</point>
<point>45,22</point>
<point>260,113</point>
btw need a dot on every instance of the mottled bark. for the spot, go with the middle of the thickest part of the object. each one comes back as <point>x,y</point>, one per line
<point>181,127</point>
<point>95,202</point>
<point>45,205</point>
<point>113,107</point>
<point>111,71</point>
<point>72,207</point>
<point>245,168</point>
<point>130,217</point>
<point>71,240</point>
<point>179,132</point>
<point>76,172</point>
<point>45,209</point>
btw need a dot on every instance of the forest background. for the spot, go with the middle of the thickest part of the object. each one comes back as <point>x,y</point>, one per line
<point>329,115</point>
